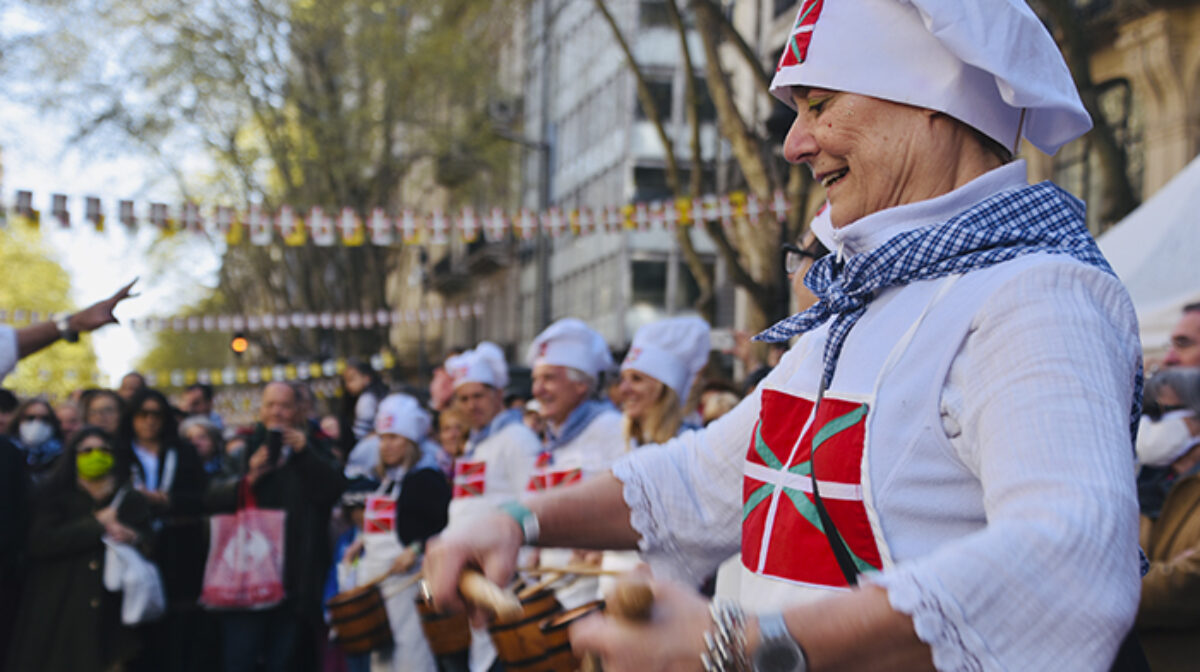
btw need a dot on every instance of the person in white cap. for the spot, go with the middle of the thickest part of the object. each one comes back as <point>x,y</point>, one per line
<point>498,458</point>
<point>939,472</point>
<point>407,508</point>
<point>656,376</point>
<point>582,433</point>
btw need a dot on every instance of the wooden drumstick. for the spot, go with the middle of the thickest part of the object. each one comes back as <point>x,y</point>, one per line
<point>483,593</point>
<point>631,600</point>
<point>547,579</point>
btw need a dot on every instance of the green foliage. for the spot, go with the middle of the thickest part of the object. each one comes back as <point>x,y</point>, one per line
<point>35,281</point>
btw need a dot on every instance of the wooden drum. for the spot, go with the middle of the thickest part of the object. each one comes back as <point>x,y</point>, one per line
<point>359,620</point>
<point>559,657</point>
<point>447,634</point>
<point>519,641</point>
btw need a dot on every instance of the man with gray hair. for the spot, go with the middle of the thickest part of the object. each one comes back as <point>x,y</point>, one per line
<point>583,434</point>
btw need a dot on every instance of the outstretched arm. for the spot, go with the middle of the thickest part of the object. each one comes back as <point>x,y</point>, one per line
<point>37,336</point>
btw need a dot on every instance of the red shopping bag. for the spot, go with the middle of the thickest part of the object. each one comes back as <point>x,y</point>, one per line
<point>245,557</point>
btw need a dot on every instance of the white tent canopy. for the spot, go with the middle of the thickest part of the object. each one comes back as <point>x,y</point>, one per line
<point>1155,251</point>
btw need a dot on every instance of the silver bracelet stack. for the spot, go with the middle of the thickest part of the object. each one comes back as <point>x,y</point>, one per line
<point>725,644</point>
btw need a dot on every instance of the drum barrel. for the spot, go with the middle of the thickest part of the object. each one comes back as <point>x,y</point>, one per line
<point>447,634</point>
<point>359,620</point>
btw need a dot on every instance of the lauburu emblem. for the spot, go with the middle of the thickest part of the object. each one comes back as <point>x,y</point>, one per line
<point>795,51</point>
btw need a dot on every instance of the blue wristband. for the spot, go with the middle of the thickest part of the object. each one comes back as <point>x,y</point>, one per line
<point>525,519</point>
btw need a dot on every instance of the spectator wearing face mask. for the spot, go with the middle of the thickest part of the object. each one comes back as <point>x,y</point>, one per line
<point>1168,447</point>
<point>68,621</point>
<point>35,429</point>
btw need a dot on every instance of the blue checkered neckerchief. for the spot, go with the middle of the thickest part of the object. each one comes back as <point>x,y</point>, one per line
<point>1037,218</point>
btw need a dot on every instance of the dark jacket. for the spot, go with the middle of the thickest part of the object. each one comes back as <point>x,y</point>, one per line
<point>180,537</point>
<point>422,505</point>
<point>306,487</point>
<point>67,620</point>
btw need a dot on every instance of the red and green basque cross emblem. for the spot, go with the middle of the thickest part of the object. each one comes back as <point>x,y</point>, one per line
<point>795,51</point>
<point>782,534</point>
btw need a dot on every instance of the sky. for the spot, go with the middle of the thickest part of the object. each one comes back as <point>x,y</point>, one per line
<point>37,158</point>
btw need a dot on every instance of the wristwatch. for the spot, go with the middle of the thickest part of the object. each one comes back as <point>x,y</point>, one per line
<point>65,331</point>
<point>778,651</point>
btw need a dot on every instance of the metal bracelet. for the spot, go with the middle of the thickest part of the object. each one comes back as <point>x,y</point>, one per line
<point>725,644</point>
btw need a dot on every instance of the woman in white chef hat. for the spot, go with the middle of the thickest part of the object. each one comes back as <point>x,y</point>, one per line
<point>938,473</point>
<point>658,372</point>
<point>409,507</point>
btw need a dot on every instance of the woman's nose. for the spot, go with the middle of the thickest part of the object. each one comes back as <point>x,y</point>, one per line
<point>799,146</point>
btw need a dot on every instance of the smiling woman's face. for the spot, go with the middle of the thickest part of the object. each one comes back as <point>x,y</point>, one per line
<point>868,153</point>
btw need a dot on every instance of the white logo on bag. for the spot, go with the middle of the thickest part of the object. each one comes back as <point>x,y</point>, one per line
<point>250,547</point>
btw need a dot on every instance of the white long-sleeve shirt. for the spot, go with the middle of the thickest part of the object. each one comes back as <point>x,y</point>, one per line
<point>8,350</point>
<point>1029,564</point>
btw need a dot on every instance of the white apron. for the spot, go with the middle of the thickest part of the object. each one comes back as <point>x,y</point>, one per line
<point>381,547</point>
<point>785,556</point>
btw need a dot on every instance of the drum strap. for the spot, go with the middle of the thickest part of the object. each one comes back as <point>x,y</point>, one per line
<point>838,545</point>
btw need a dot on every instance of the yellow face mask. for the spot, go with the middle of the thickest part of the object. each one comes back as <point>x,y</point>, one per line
<point>94,464</point>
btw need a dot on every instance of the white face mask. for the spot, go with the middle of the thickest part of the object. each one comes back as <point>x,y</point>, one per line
<point>35,432</point>
<point>1161,442</point>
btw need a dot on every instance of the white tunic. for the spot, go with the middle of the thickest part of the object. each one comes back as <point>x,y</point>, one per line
<point>8,350</point>
<point>495,470</point>
<point>590,453</point>
<point>996,472</point>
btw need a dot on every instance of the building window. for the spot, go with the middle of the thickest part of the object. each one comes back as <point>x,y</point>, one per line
<point>653,14</point>
<point>660,90</point>
<point>707,111</point>
<point>1077,166</point>
<point>649,283</point>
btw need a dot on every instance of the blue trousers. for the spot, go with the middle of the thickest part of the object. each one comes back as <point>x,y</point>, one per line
<point>250,636</point>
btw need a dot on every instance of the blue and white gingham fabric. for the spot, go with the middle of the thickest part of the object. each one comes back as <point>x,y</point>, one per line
<point>1037,218</point>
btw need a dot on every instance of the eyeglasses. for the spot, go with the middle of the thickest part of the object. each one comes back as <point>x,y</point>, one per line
<point>84,450</point>
<point>793,257</point>
<point>148,413</point>
<point>43,418</point>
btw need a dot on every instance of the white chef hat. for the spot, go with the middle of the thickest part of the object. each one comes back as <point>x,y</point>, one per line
<point>671,351</point>
<point>569,342</point>
<point>987,64</point>
<point>401,414</point>
<point>485,364</point>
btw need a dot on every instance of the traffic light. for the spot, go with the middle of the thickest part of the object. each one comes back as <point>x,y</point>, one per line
<point>239,344</point>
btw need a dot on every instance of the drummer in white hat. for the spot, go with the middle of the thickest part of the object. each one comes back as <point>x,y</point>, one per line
<point>499,456</point>
<point>582,433</point>
<point>938,472</point>
<point>407,508</point>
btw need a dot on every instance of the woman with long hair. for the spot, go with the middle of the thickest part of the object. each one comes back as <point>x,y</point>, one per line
<point>168,473</point>
<point>657,375</point>
<point>362,390</point>
<point>67,620</point>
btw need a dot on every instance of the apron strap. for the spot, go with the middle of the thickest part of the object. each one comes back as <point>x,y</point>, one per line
<point>838,545</point>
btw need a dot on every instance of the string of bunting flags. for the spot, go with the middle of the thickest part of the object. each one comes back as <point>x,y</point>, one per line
<point>340,321</point>
<point>256,375</point>
<point>346,227</point>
